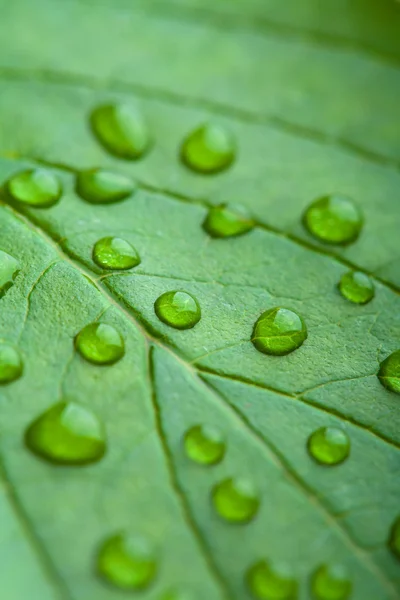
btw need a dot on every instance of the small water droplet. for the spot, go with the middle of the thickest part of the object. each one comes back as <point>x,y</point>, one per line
<point>121,129</point>
<point>9,269</point>
<point>268,581</point>
<point>127,561</point>
<point>331,582</point>
<point>67,434</point>
<point>329,445</point>
<point>204,444</point>
<point>99,186</point>
<point>178,309</point>
<point>394,539</point>
<point>100,343</point>
<point>333,219</point>
<point>389,372</point>
<point>115,253</point>
<point>177,594</point>
<point>227,221</point>
<point>236,500</point>
<point>209,149</point>
<point>11,365</point>
<point>279,331</point>
<point>35,188</point>
<point>357,287</point>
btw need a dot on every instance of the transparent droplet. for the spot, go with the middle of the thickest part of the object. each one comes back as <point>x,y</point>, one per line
<point>357,287</point>
<point>394,538</point>
<point>334,219</point>
<point>236,500</point>
<point>389,372</point>
<point>35,188</point>
<point>11,365</point>
<point>329,445</point>
<point>271,581</point>
<point>227,221</point>
<point>67,434</point>
<point>331,582</point>
<point>121,129</point>
<point>9,269</point>
<point>115,253</point>
<point>127,561</point>
<point>100,344</point>
<point>279,331</point>
<point>204,444</point>
<point>178,309</point>
<point>100,186</point>
<point>208,149</point>
<point>177,594</point>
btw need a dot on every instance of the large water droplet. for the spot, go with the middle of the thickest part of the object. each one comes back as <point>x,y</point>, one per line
<point>11,365</point>
<point>331,582</point>
<point>121,129</point>
<point>178,309</point>
<point>100,343</point>
<point>227,221</point>
<point>204,444</point>
<point>394,538</point>
<point>389,372</point>
<point>279,331</point>
<point>208,149</point>
<point>268,581</point>
<point>357,287</point>
<point>100,186</point>
<point>333,219</point>
<point>329,445</point>
<point>128,562</point>
<point>9,268</point>
<point>36,188</point>
<point>67,434</point>
<point>236,500</point>
<point>115,253</point>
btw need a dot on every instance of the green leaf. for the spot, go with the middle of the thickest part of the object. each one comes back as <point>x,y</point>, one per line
<point>310,97</point>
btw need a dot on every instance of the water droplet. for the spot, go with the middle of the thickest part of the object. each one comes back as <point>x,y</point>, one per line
<point>204,444</point>
<point>329,445</point>
<point>177,594</point>
<point>121,129</point>
<point>128,562</point>
<point>333,219</point>
<point>100,186</point>
<point>394,539</point>
<point>227,221</point>
<point>357,287</point>
<point>115,253</point>
<point>9,269</point>
<point>331,582</point>
<point>100,344</point>
<point>67,434</point>
<point>178,309</point>
<point>209,149</point>
<point>35,188</point>
<point>236,500</point>
<point>11,365</point>
<point>279,331</point>
<point>389,372</point>
<point>268,581</point>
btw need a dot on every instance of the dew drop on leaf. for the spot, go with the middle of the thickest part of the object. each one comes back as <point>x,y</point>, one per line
<point>121,129</point>
<point>333,219</point>
<point>279,331</point>
<point>209,149</point>
<point>100,343</point>
<point>178,309</point>
<point>204,444</point>
<point>394,538</point>
<point>11,365</point>
<point>177,594</point>
<point>9,268</point>
<point>329,445</point>
<point>115,253</point>
<point>389,372</point>
<point>269,581</point>
<point>236,500</point>
<point>331,582</point>
<point>67,434</point>
<point>35,188</point>
<point>227,221</point>
<point>127,561</point>
<point>99,186</point>
<point>357,287</point>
